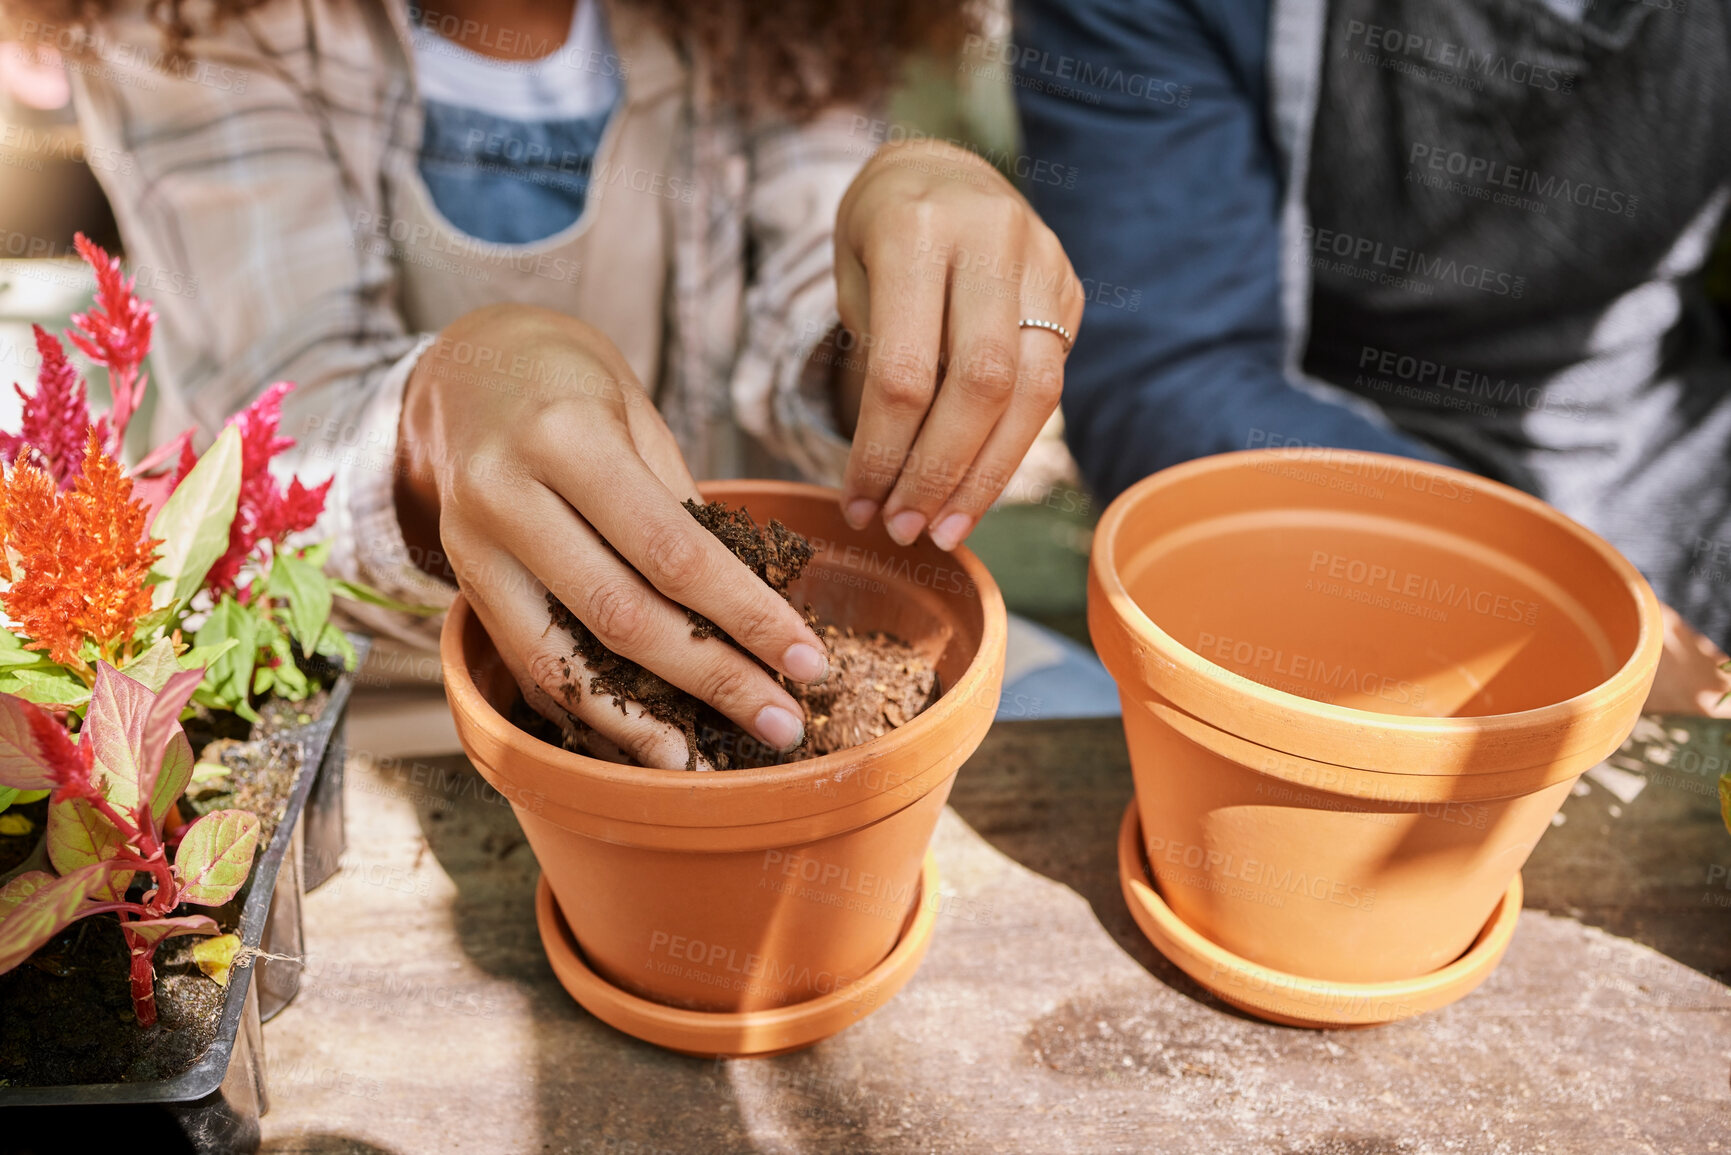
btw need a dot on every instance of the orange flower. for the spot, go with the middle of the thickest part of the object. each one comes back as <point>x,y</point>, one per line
<point>82,557</point>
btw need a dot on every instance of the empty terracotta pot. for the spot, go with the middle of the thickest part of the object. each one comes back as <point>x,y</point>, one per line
<point>1356,688</point>
<point>747,890</point>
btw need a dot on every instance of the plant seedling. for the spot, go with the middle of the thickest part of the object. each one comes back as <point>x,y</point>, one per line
<point>112,790</point>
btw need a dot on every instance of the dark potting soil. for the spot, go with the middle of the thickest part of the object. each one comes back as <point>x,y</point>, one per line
<point>876,683</point>
<point>66,1013</point>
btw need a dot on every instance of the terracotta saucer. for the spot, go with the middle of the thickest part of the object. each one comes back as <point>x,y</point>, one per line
<point>746,1034</point>
<point>1292,999</point>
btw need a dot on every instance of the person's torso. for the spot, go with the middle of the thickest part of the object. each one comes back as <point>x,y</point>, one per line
<point>607,266</point>
<point>1497,216</point>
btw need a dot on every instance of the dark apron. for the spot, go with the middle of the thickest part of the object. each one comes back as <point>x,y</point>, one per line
<point>1508,209</point>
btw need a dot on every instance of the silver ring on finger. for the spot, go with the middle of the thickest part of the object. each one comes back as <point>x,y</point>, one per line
<point>1064,334</point>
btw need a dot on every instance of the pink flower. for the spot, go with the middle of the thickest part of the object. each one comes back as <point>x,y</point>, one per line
<point>115,334</point>
<point>56,419</point>
<point>267,512</point>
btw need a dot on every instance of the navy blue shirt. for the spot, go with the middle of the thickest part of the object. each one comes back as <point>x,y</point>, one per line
<point>1160,109</point>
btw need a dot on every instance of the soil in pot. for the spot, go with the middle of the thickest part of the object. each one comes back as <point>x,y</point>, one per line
<point>877,682</point>
<point>68,1015</point>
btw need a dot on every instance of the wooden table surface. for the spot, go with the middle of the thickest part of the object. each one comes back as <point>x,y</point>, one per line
<point>1042,1021</point>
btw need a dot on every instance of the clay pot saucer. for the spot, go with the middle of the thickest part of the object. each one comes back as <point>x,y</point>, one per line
<point>1293,1000</point>
<point>744,1034</point>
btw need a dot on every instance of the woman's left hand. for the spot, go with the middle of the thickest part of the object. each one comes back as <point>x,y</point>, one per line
<point>938,259</point>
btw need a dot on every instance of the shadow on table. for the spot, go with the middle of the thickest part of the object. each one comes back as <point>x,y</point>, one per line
<point>1053,801</point>
<point>1642,851</point>
<point>596,1088</point>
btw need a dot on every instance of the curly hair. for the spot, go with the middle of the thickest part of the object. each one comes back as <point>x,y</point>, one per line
<point>793,57</point>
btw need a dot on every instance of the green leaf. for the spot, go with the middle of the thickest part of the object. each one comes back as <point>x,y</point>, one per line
<point>230,673</point>
<point>335,645</point>
<point>356,592</point>
<point>36,906</point>
<point>154,666</point>
<point>211,700</point>
<point>171,780</point>
<point>55,687</point>
<point>283,677</point>
<point>194,522</point>
<point>308,593</point>
<point>205,773</point>
<point>203,657</point>
<point>215,856</point>
<point>79,837</point>
<point>13,653</point>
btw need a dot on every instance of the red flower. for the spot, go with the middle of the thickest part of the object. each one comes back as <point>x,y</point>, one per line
<point>267,512</point>
<point>116,333</point>
<point>56,419</point>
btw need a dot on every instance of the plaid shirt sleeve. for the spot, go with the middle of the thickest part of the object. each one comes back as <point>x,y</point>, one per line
<point>247,175</point>
<point>783,396</point>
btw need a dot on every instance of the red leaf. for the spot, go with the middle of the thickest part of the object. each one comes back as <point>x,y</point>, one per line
<point>35,906</point>
<point>154,930</point>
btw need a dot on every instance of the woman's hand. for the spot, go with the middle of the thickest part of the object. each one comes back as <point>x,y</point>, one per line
<point>937,260</point>
<point>555,472</point>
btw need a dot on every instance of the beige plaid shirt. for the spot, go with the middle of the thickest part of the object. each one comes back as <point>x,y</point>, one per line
<point>259,169</point>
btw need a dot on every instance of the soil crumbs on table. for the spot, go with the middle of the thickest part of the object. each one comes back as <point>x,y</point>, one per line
<point>68,1008</point>
<point>876,682</point>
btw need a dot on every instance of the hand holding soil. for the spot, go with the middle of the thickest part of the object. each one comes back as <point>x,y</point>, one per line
<point>572,485</point>
<point>876,683</point>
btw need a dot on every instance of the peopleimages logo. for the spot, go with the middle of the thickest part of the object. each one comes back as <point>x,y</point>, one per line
<point>1446,54</point>
<point>1423,587</point>
<point>1497,393</point>
<point>1486,172</point>
<point>1271,879</point>
<point>1396,264</point>
<point>1304,674</point>
<point>718,961</point>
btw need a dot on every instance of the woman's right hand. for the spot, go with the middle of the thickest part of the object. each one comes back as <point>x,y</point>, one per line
<point>550,470</point>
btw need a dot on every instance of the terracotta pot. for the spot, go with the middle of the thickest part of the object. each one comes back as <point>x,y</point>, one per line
<point>1356,688</point>
<point>742,891</point>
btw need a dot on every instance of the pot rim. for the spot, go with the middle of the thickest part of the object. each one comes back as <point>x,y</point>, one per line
<point>466,698</point>
<point>1281,708</point>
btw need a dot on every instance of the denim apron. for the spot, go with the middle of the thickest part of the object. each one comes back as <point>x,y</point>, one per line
<point>1509,202</point>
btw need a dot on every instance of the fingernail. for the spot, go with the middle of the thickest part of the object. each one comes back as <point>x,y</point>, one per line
<point>905,526</point>
<point>949,532</point>
<point>860,511</point>
<point>805,663</point>
<point>779,728</point>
